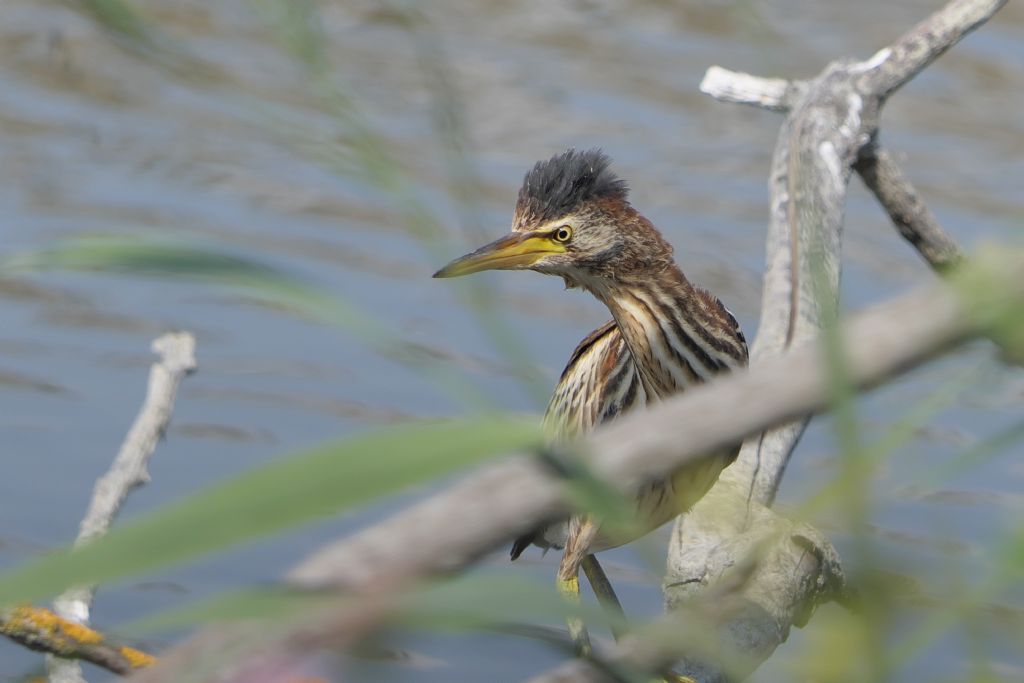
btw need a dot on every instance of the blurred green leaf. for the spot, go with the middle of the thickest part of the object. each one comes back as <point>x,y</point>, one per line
<point>366,155</point>
<point>1012,554</point>
<point>180,260</point>
<point>986,282</point>
<point>176,259</point>
<point>462,603</point>
<point>899,433</point>
<point>490,599</point>
<point>122,21</point>
<point>296,489</point>
<point>278,603</point>
<point>590,494</point>
<point>988,448</point>
<point>131,31</point>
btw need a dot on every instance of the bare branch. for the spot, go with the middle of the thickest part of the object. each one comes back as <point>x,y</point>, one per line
<point>926,42</point>
<point>176,351</point>
<point>42,630</point>
<point>880,75</point>
<point>774,94</point>
<point>831,120</point>
<point>712,635</point>
<point>906,209</point>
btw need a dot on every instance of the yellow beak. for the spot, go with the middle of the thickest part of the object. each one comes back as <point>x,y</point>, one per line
<point>517,250</point>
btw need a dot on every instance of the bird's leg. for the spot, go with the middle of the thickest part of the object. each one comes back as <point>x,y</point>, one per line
<point>581,533</point>
<point>569,587</point>
<point>605,595</point>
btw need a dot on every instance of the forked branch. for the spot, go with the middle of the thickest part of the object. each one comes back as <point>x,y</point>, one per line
<point>830,130</point>
<point>65,633</point>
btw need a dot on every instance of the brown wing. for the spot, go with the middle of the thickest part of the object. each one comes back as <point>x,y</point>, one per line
<point>599,383</point>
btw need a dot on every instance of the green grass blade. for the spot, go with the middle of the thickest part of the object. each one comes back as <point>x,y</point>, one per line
<point>366,154</point>
<point>180,260</point>
<point>161,258</point>
<point>274,603</point>
<point>310,485</point>
<point>461,603</point>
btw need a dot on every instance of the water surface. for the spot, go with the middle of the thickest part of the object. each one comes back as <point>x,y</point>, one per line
<point>98,138</point>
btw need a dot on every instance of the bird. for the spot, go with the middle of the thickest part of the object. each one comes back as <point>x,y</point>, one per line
<point>573,219</point>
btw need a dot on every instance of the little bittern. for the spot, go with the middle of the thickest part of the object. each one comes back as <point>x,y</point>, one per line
<point>573,219</point>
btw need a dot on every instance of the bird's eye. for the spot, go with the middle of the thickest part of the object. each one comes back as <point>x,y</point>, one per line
<point>563,234</point>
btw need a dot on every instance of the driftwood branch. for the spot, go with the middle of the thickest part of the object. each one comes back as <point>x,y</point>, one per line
<point>42,630</point>
<point>773,94</point>
<point>830,130</point>
<point>907,210</point>
<point>772,548</point>
<point>486,509</point>
<point>876,166</point>
<point>893,66</point>
<point>176,359</point>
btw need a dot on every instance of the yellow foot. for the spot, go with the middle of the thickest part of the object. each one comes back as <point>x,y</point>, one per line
<point>570,591</point>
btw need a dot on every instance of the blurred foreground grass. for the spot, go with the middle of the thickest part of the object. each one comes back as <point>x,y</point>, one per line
<point>900,619</point>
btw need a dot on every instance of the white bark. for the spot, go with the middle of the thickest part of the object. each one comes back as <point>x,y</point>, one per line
<point>829,130</point>
<point>176,358</point>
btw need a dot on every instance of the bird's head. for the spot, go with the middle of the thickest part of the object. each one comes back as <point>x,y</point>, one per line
<point>573,219</point>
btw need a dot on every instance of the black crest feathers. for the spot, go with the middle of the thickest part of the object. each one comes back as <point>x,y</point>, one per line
<point>556,187</point>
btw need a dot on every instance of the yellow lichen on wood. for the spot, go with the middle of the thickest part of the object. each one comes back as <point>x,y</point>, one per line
<point>43,630</point>
<point>36,619</point>
<point>137,658</point>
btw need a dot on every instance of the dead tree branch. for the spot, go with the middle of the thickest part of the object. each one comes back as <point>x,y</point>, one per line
<point>176,351</point>
<point>40,629</point>
<point>907,210</point>
<point>875,165</point>
<point>830,129</point>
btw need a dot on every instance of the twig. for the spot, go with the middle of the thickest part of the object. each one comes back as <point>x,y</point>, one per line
<point>770,551</point>
<point>487,508</point>
<point>736,87</point>
<point>774,94</point>
<point>908,212</point>
<point>892,67</point>
<point>40,629</point>
<point>831,125</point>
<point>875,165</point>
<point>176,351</point>
<point>830,129</point>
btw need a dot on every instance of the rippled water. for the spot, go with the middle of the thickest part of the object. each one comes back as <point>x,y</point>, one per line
<point>96,137</point>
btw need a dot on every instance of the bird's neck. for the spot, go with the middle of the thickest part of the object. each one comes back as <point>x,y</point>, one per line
<point>677,334</point>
